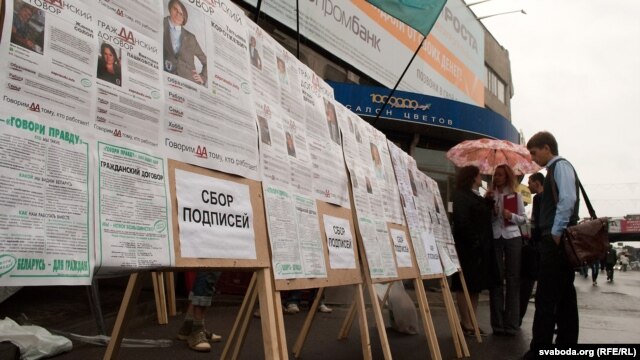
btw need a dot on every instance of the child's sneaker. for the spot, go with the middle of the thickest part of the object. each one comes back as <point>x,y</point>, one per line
<point>212,336</point>
<point>197,341</point>
<point>292,309</point>
<point>324,309</point>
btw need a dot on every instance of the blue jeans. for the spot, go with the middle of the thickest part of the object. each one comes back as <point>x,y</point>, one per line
<point>203,288</point>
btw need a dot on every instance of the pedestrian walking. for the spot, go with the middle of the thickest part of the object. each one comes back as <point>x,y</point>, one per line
<point>556,300</point>
<point>624,261</point>
<point>595,269</point>
<point>610,262</point>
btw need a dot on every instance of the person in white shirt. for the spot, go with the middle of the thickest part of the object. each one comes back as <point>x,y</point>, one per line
<point>507,215</point>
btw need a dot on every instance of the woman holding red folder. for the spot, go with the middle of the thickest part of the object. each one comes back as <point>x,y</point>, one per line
<point>508,213</point>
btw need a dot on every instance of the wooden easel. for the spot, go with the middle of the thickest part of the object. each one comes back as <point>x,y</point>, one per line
<point>335,277</point>
<point>164,292</point>
<point>261,266</point>
<point>472,313</point>
<point>410,273</point>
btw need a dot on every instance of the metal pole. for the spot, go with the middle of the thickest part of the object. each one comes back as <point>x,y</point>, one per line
<point>255,17</point>
<point>400,79</point>
<point>298,29</point>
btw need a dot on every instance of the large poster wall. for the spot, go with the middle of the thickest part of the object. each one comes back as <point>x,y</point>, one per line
<point>101,103</point>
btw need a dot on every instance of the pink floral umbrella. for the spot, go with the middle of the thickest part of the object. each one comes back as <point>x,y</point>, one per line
<point>487,154</point>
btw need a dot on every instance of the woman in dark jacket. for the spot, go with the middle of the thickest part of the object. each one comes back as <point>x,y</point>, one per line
<point>472,233</point>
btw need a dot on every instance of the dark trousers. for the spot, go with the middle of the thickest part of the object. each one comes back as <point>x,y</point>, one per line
<point>526,288</point>
<point>609,272</point>
<point>529,273</point>
<point>595,269</point>
<point>555,298</point>
<point>505,305</point>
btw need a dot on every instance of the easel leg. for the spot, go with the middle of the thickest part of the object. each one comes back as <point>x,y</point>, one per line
<point>456,330</point>
<point>238,331</point>
<point>348,320</point>
<point>171,293</point>
<point>362,320</point>
<point>386,294</point>
<point>351,316</point>
<point>158,293</point>
<point>124,314</point>
<point>297,347</point>
<point>377,314</point>
<point>472,313</point>
<point>452,320</point>
<point>282,335</point>
<point>270,334</point>
<point>427,321</point>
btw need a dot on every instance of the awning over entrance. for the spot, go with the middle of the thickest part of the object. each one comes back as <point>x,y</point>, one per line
<point>430,111</point>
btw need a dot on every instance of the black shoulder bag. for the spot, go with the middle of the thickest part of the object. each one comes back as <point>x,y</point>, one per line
<point>587,241</point>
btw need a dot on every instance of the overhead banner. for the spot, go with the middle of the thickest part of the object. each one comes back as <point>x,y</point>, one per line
<point>450,63</point>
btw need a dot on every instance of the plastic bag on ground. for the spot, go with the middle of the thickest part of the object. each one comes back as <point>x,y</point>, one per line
<point>403,316</point>
<point>35,342</point>
<point>403,310</point>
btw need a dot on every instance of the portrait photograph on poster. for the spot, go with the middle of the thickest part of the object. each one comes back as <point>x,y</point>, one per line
<point>109,64</point>
<point>254,54</point>
<point>27,29</point>
<point>184,53</point>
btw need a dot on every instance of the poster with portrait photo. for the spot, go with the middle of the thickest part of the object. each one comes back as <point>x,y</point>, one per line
<point>184,45</point>
<point>28,26</point>
<point>263,69</point>
<point>129,85</point>
<point>291,82</point>
<point>254,52</point>
<point>48,58</point>
<point>291,146</point>
<point>368,184</point>
<point>274,162</point>
<point>283,77</point>
<point>377,161</point>
<point>218,121</point>
<point>109,67</point>
<point>265,136</point>
<point>332,121</point>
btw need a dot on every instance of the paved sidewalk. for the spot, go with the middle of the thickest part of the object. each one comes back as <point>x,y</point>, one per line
<point>608,315</point>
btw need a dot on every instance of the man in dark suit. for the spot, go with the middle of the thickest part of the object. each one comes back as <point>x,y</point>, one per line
<point>181,46</point>
<point>253,52</point>
<point>556,301</point>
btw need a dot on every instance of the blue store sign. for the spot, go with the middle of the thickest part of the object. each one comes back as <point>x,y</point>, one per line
<point>423,109</point>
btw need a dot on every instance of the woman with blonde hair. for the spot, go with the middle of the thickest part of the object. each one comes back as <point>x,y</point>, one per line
<point>508,214</point>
